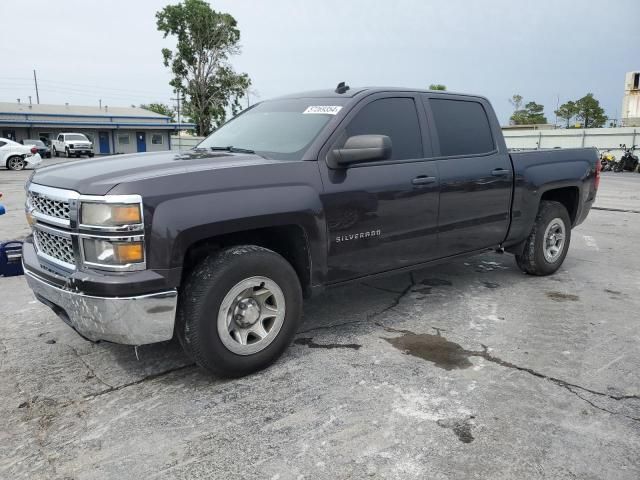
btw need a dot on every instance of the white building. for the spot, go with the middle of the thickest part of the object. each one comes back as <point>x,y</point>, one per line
<point>111,129</point>
<point>631,101</point>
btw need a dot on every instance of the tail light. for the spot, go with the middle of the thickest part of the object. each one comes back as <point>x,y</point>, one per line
<point>596,182</point>
<point>34,150</point>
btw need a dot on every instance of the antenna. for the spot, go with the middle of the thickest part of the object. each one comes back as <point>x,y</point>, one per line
<point>342,88</point>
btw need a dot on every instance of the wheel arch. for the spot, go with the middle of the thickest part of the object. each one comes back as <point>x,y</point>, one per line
<point>291,241</point>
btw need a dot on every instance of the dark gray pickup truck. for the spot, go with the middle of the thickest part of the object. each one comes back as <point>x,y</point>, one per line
<point>219,244</point>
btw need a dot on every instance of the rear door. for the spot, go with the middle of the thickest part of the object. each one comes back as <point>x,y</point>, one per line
<point>381,215</point>
<point>475,173</point>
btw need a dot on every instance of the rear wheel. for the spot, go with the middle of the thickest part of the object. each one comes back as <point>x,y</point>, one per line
<point>547,244</point>
<point>55,152</point>
<point>16,163</point>
<point>239,310</point>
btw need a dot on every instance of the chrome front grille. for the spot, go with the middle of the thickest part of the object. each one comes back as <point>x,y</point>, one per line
<point>55,246</point>
<point>49,207</point>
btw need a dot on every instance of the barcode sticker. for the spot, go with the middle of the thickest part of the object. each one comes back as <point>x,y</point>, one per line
<point>323,109</point>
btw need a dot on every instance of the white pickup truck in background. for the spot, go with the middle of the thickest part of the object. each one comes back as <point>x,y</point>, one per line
<point>72,144</point>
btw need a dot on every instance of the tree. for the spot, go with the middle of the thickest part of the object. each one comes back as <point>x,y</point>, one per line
<point>160,108</point>
<point>437,86</point>
<point>567,111</point>
<point>200,63</point>
<point>589,112</point>
<point>535,113</point>
<point>516,102</point>
<point>531,114</point>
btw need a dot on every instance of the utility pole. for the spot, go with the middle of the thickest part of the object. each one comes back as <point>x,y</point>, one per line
<point>35,80</point>
<point>100,103</point>
<point>178,99</point>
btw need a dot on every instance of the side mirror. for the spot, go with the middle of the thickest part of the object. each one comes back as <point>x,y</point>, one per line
<point>361,148</point>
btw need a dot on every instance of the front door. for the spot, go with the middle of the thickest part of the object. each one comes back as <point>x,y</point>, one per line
<point>103,139</point>
<point>475,174</point>
<point>381,215</point>
<point>141,141</point>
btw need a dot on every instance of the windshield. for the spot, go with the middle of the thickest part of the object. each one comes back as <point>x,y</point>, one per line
<point>76,136</point>
<point>34,142</point>
<point>278,129</point>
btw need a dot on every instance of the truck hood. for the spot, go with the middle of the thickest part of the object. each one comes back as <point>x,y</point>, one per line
<point>96,176</point>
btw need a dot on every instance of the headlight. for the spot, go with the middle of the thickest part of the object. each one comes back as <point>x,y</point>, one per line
<point>112,252</point>
<point>110,214</point>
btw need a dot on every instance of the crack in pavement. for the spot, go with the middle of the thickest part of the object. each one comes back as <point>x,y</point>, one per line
<point>394,303</point>
<point>571,387</point>
<point>89,368</point>
<point>622,210</point>
<point>484,353</point>
<point>154,376</point>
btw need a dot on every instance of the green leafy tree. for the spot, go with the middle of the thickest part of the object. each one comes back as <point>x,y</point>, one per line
<point>589,112</point>
<point>206,39</point>
<point>531,114</point>
<point>437,86</point>
<point>567,111</point>
<point>159,108</point>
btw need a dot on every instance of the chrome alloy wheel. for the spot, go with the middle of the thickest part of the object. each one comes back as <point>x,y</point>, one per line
<point>554,237</point>
<point>16,163</point>
<point>251,315</point>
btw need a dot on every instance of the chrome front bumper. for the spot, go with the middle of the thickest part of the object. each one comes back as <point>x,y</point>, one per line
<point>127,320</point>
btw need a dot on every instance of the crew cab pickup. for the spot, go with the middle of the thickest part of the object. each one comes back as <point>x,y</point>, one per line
<point>218,245</point>
<point>72,144</point>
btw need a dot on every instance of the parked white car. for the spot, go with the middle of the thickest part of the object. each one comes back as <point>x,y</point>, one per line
<point>17,157</point>
<point>72,144</point>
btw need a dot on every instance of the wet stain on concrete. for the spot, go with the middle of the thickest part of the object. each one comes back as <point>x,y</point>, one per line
<point>460,426</point>
<point>311,344</point>
<point>491,284</point>
<point>436,282</point>
<point>613,292</point>
<point>50,342</point>
<point>562,297</point>
<point>433,348</point>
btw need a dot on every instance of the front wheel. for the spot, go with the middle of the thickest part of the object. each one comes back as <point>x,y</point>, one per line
<point>16,163</point>
<point>239,310</point>
<point>548,243</point>
<point>56,152</point>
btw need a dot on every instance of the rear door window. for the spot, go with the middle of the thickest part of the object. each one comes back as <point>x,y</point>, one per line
<point>462,127</point>
<point>395,117</point>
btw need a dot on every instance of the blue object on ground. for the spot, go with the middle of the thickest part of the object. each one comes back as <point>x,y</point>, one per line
<point>11,259</point>
<point>2,210</point>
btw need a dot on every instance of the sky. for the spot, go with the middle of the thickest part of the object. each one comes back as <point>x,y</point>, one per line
<point>546,51</point>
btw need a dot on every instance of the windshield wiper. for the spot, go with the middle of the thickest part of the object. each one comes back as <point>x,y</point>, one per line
<point>232,149</point>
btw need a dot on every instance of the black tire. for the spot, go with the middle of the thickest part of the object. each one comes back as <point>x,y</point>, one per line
<point>67,153</point>
<point>90,155</point>
<point>56,152</point>
<point>201,298</point>
<point>533,260</point>
<point>16,163</point>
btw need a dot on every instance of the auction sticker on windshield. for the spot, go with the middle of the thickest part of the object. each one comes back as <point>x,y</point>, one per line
<point>325,109</point>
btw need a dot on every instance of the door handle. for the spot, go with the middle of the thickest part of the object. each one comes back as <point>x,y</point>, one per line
<point>423,180</point>
<point>500,172</point>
